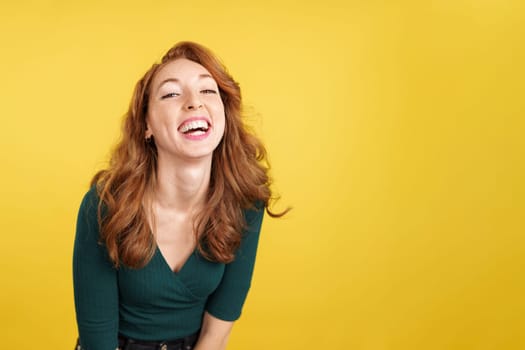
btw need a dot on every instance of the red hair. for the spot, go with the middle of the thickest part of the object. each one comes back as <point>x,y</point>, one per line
<point>239,175</point>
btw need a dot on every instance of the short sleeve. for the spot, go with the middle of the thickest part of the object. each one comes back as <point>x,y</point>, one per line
<point>227,300</point>
<point>94,282</point>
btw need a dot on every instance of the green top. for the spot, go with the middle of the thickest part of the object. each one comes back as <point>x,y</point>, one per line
<point>153,302</point>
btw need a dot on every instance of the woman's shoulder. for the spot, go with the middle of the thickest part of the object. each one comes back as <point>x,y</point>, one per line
<point>90,202</point>
<point>87,229</point>
<point>254,215</point>
<point>90,197</point>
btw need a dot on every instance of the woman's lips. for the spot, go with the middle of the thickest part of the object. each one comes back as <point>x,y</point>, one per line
<point>195,128</point>
<point>197,135</point>
<point>193,123</point>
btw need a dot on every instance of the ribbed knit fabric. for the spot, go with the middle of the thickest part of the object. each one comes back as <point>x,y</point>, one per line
<point>153,303</point>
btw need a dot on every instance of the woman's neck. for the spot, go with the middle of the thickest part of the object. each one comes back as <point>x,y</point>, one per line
<point>182,186</point>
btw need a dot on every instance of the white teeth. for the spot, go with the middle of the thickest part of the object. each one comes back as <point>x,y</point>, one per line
<point>195,124</point>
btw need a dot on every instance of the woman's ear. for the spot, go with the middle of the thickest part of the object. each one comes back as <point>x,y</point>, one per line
<point>148,133</point>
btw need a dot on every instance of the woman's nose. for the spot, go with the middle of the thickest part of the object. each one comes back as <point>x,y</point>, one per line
<point>193,102</point>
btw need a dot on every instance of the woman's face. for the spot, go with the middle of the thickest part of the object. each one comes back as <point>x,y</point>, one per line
<point>185,111</point>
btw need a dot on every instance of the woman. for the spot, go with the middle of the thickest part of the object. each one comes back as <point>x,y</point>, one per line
<point>167,235</point>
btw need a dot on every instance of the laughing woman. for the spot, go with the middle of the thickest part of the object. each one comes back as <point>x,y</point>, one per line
<point>167,236</point>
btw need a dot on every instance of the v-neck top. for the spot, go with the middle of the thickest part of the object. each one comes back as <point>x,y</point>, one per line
<point>153,302</point>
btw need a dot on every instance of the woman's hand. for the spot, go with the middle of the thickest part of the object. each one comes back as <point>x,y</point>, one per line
<point>214,333</point>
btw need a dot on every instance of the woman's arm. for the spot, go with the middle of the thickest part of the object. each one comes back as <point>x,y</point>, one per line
<point>95,282</point>
<point>227,300</point>
<point>214,333</point>
<point>224,306</point>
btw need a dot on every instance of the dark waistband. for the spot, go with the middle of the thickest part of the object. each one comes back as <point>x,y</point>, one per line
<point>185,343</point>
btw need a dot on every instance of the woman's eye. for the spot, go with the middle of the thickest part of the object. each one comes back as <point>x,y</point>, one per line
<point>208,91</point>
<point>171,94</point>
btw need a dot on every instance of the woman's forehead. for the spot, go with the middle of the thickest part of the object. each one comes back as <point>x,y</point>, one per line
<point>181,69</point>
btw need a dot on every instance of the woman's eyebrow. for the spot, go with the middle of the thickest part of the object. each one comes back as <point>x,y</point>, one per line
<point>175,80</point>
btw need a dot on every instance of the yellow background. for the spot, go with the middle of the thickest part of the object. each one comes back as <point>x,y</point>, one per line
<point>395,130</point>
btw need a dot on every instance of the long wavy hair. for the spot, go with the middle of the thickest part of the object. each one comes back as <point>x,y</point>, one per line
<point>239,175</point>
